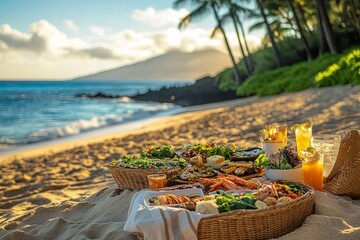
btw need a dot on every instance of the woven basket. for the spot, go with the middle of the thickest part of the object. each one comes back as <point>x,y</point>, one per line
<point>136,179</point>
<point>344,178</point>
<point>272,222</point>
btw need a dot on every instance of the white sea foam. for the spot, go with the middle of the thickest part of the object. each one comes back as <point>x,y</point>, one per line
<point>82,125</point>
<point>7,141</point>
<point>125,99</point>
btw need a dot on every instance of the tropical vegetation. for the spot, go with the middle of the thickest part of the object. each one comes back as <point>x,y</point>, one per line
<point>306,42</point>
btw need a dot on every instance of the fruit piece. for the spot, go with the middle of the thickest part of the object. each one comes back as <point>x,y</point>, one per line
<point>283,200</point>
<point>311,154</point>
<point>260,204</point>
<point>302,126</point>
<point>270,201</point>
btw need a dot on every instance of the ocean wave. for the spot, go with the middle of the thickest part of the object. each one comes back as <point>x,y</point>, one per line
<point>7,141</point>
<point>82,125</point>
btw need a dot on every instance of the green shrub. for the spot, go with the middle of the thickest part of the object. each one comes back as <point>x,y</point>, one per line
<point>345,71</point>
<point>286,79</point>
<point>225,80</point>
<point>292,52</point>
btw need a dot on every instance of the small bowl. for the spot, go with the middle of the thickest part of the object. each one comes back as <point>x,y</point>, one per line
<point>292,175</point>
<point>250,157</point>
<point>270,147</point>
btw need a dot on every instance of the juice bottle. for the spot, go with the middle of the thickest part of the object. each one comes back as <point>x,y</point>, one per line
<point>313,166</point>
<point>303,135</point>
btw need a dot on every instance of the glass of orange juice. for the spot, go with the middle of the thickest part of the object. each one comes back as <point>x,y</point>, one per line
<point>303,135</point>
<point>313,167</point>
<point>157,181</point>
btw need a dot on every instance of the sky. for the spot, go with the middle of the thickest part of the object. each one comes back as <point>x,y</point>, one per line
<point>58,40</point>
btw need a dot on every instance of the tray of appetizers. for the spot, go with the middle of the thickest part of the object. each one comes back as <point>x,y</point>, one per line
<point>283,206</point>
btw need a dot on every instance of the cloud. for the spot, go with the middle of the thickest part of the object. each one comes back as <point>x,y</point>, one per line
<point>13,39</point>
<point>44,45</point>
<point>159,18</point>
<point>97,31</point>
<point>45,39</point>
<point>42,37</point>
<point>71,26</point>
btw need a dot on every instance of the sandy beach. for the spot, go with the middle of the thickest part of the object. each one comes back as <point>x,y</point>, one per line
<point>64,191</point>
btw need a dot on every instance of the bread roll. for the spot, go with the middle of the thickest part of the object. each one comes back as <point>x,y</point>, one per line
<point>197,160</point>
<point>216,161</point>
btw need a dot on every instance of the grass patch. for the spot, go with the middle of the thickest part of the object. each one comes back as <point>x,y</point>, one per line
<point>326,70</point>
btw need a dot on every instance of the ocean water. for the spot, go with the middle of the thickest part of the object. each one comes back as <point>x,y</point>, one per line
<point>39,111</point>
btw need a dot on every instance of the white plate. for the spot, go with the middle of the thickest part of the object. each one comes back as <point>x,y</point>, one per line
<point>181,192</point>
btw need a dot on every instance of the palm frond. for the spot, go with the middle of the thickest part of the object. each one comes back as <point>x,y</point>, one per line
<point>182,3</point>
<point>257,26</point>
<point>225,18</point>
<point>199,12</point>
<point>253,15</point>
<point>216,31</point>
<point>241,8</point>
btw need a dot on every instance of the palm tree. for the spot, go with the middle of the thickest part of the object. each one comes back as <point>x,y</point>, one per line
<point>242,10</point>
<point>270,33</point>
<point>303,18</point>
<point>202,8</point>
<point>350,13</point>
<point>303,38</point>
<point>231,15</point>
<point>252,64</point>
<point>328,32</point>
<point>322,40</point>
<point>280,28</point>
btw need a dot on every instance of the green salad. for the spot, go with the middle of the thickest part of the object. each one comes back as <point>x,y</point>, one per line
<point>228,202</point>
<point>286,158</point>
<point>165,151</point>
<point>130,161</point>
<point>206,150</point>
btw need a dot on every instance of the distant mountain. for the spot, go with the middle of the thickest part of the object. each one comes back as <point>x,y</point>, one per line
<point>174,65</point>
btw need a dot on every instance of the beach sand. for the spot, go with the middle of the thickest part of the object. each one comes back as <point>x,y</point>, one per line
<point>65,191</point>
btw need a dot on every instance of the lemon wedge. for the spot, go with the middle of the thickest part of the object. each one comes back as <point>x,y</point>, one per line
<point>305,125</point>
<point>311,154</point>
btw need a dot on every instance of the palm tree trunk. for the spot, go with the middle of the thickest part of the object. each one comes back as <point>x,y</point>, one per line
<point>245,42</point>
<point>328,32</point>
<point>244,60</point>
<point>271,35</point>
<point>237,76</point>
<point>355,16</point>
<point>322,40</point>
<point>302,14</point>
<point>303,38</point>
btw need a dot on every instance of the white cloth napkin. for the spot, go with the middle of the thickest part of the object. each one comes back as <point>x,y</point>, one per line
<point>161,222</point>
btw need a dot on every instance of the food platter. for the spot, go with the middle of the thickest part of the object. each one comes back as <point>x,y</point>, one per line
<point>283,207</point>
<point>249,154</point>
<point>187,164</point>
<point>182,192</point>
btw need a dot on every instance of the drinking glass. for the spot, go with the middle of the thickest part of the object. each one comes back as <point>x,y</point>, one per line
<point>313,170</point>
<point>329,146</point>
<point>157,181</point>
<point>303,135</point>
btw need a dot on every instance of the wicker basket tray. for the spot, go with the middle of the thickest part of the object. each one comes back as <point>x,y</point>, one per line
<point>269,223</point>
<point>135,179</point>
